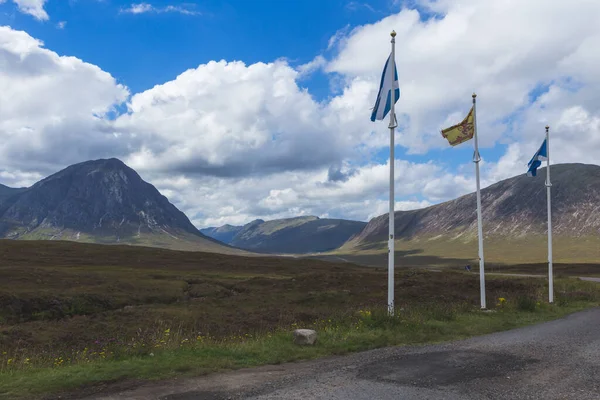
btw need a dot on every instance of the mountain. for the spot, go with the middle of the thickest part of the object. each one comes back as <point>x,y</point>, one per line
<point>6,192</point>
<point>101,201</point>
<point>8,195</point>
<point>224,233</point>
<point>299,235</point>
<point>514,217</point>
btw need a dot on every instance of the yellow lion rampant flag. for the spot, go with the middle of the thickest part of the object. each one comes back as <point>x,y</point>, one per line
<point>461,132</point>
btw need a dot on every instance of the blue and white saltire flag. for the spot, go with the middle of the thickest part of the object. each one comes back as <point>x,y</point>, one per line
<point>383,103</point>
<point>536,161</point>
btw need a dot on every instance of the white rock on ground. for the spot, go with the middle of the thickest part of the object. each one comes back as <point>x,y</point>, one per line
<point>305,336</point>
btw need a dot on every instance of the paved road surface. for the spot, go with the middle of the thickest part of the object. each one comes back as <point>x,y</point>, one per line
<point>554,360</point>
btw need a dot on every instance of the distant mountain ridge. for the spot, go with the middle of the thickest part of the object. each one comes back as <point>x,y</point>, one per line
<point>224,233</point>
<point>298,235</point>
<point>513,208</point>
<point>101,201</point>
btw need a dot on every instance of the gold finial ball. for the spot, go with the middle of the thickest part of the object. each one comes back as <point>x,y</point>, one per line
<point>393,34</point>
<point>547,127</point>
<point>474,95</point>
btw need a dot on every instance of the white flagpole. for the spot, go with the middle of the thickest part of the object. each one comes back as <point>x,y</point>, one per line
<point>476,160</point>
<point>548,187</point>
<point>392,197</point>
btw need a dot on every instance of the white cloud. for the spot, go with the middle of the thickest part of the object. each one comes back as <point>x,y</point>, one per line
<point>35,8</point>
<point>181,10</point>
<point>142,8</point>
<point>52,106</point>
<point>359,6</point>
<point>61,25</point>
<point>315,64</point>
<point>18,179</point>
<point>139,8</point>
<point>230,119</point>
<point>338,37</point>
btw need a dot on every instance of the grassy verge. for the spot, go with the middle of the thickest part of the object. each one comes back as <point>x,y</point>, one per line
<point>172,352</point>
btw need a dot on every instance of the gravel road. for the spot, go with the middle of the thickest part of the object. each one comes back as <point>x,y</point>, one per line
<point>554,360</point>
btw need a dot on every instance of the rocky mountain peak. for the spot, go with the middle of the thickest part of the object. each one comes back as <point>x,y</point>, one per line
<point>103,197</point>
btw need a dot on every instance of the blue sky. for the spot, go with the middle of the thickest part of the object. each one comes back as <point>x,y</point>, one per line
<point>230,142</point>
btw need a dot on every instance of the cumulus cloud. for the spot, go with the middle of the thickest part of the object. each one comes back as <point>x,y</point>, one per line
<point>35,8</point>
<point>53,106</point>
<point>315,64</point>
<point>338,37</point>
<point>339,173</point>
<point>230,119</point>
